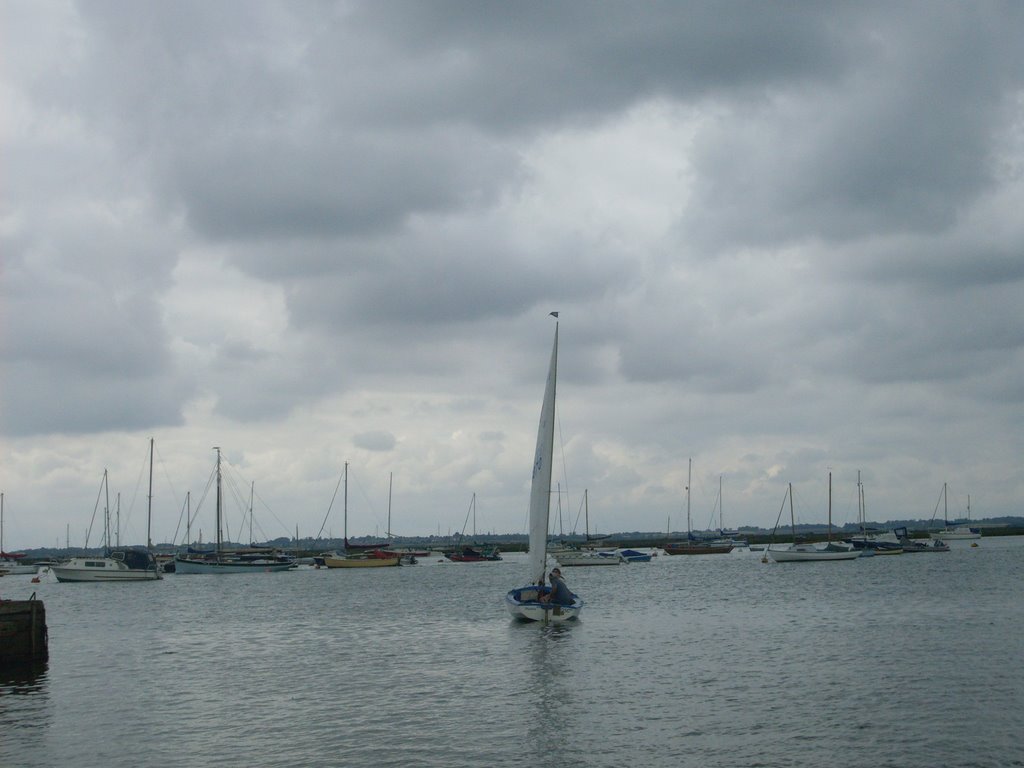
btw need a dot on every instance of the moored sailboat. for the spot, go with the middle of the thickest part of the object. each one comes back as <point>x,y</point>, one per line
<point>576,557</point>
<point>364,560</point>
<point>472,553</point>
<point>692,546</point>
<point>801,552</point>
<point>221,561</point>
<point>870,543</point>
<point>949,532</point>
<point>530,602</point>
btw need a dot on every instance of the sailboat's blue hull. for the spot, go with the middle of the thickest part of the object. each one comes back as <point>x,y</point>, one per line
<point>524,604</point>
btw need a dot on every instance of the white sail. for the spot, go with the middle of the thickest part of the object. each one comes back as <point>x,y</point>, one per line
<point>540,490</point>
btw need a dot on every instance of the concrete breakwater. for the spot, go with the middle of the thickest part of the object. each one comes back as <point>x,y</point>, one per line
<point>23,635</point>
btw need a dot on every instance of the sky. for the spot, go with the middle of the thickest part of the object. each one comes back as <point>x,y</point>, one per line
<point>784,239</point>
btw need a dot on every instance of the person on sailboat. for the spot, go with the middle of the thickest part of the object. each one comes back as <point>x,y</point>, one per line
<point>559,594</point>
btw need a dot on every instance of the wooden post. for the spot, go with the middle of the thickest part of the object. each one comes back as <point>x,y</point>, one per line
<point>23,634</point>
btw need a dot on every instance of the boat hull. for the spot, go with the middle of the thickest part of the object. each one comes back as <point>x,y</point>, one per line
<point>811,555</point>
<point>524,604</point>
<point>82,574</point>
<point>17,569</point>
<point>915,547</point>
<point>361,562</point>
<point>187,566</point>
<point>697,549</point>
<point>955,534</point>
<point>574,560</point>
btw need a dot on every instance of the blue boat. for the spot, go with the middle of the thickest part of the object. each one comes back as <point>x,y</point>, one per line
<point>634,556</point>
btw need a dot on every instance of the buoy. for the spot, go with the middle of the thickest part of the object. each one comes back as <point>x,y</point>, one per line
<point>974,543</point>
<point>35,579</point>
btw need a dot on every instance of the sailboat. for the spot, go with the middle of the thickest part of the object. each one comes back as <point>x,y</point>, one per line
<point>345,560</point>
<point>406,555</point>
<point>870,543</point>
<point>117,563</point>
<point>575,557</point>
<point>474,553</point>
<point>804,551</point>
<point>9,565</point>
<point>692,546</point>
<point>220,561</point>
<point>959,531</point>
<point>525,602</point>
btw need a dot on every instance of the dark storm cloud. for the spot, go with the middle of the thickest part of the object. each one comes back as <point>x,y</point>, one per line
<point>261,124</point>
<point>882,149</point>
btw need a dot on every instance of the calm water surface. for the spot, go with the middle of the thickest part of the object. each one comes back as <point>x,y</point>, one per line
<point>913,660</point>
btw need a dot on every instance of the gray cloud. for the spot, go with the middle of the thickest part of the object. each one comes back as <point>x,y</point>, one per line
<point>781,238</point>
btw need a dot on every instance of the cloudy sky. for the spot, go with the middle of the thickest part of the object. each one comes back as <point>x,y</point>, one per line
<point>783,239</point>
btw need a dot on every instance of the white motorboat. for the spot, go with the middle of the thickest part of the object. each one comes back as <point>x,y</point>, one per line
<point>123,564</point>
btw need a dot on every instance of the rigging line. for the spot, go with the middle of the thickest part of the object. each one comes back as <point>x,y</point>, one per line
<point>561,447</point>
<point>233,475</point>
<point>138,483</point>
<point>577,520</point>
<point>472,503</point>
<point>777,519</point>
<point>167,477</point>
<point>273,514</point>
<point>330,506</point>
<point>366,498</point>
<point>99,495</point>
<point>935,512</point>
<point>177,528</point>
<point>206,492</point>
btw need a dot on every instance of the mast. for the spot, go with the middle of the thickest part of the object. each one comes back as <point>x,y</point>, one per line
<point>860,505</point>
<point>863,506</point>
<point>561,528</point>
<point>792,519</point>
<point>345,528</point>
<point>721,512</point>
<point>391,476</point>
<point>252,489</point>
<point>689,477</point>
<point>220,535</point>
<point>117,517</point>
<point>830,506</point>
<point>106,509</point>
<point>586,514</point>
<point>945,506</point>
<point>188,519</point>
<point>1,524</point>
<point>149,505</point>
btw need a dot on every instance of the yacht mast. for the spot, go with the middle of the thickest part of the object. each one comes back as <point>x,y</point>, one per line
<point>149,505</point>
<point>220,535</point>
<point>106,510</point>
<point>689,476</point>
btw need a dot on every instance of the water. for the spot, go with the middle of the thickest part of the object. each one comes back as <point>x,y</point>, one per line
<point>912,660</point>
